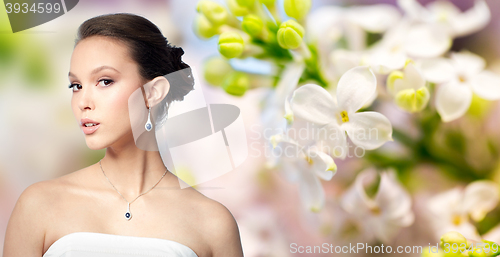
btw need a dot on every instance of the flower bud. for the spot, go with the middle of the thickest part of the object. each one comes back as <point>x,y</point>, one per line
<point>411,100</point>
<point>216,69</point>
<point>453,237</point>
<point>236,83</point>
<point>478,252</point>
<point>214,12</point>
<point>237,9</point>
<point>252,25</point>
<point>268,2</point>
<point>231,44</point>
<point>246,3</point>
<point>203,27</point>
<point>491,245</point>
<point>290,34</point>
<point>297,8</point>
<point>457,254</point>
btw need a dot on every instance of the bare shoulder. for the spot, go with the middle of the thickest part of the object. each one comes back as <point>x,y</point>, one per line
<point>35,200</point>
<point>37,207</point>
<point>218,226</point>
<point>26,227</point>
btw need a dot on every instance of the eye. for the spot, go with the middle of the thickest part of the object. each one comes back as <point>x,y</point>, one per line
<point>105,82</point>
<point>75,86</point>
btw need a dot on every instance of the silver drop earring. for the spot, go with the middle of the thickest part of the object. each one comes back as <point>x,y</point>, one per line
<point>149,125</point>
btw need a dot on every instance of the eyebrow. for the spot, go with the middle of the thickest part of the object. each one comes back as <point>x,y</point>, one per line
<point>96,70</point>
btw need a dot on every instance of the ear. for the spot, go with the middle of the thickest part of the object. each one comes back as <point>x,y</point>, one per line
<point>156,90</point>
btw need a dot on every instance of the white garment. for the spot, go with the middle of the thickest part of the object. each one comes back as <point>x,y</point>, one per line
<point>107,245</point>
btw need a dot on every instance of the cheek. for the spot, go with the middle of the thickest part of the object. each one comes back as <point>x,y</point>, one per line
<point>74,107</point>
<point>116,105</point>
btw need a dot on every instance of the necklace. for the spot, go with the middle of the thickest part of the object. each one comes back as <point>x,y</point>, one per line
<point>128,214</point>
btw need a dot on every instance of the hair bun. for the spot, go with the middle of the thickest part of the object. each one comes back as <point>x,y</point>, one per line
<point>177,52</point>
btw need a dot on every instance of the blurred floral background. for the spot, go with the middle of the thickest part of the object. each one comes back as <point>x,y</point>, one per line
<point>425,75</point>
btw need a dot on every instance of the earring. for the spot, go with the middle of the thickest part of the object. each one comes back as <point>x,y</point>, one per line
<point>148,125</point>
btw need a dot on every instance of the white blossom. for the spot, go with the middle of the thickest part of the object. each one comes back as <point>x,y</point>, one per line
<point>305,165</point>
<point>460,76</point>
<point>452,210</point>
<point>383,215</point>
<point>355,88</point>
<point>447,15</point>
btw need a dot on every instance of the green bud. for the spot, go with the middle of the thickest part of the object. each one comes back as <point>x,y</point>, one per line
<point>246,3</point>
<point>237,9</point>
<point>289,117</point>
<point>268,2</point>
<point>252,25</point>
<point>492,246</point>
<point>478,252</point>
<point>236,83</point>
<point>231,44</point>
<point>216,69</point>
<point>214,12</point>
<point>395,75</point>
<point>204,28</point>
<point>422,98</point>
<point>412,101</point>
<point>290,34</point>
<point>453,237</point>
<point>297,8</point>
<point>457,254</point>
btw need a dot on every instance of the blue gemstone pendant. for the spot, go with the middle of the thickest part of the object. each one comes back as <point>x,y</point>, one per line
<point>149,125</point>
<point>128,214</point>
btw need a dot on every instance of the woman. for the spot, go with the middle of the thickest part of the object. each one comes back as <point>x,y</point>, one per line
<point>128,203</point>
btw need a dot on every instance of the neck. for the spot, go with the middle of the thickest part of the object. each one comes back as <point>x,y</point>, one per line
<point>132,170</point>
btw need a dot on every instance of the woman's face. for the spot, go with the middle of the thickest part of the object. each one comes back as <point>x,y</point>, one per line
<point>104,76</point>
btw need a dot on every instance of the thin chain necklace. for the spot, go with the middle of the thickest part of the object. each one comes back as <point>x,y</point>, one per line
<point>128,214</point>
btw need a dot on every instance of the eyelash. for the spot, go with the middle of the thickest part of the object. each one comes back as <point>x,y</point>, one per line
<point>72,86</point>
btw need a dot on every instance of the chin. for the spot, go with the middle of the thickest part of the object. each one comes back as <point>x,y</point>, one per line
<point>95,144</point>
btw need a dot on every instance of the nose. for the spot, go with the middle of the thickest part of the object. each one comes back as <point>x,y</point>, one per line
<point>86,101</point>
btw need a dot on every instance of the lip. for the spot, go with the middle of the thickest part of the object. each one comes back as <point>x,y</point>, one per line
<point>89,130</point>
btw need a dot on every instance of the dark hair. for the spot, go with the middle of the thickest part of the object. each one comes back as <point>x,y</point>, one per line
<point>148,47</point>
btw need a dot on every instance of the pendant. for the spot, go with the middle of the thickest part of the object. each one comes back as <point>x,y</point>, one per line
<point>128,214</point>
<point>149,125</point>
